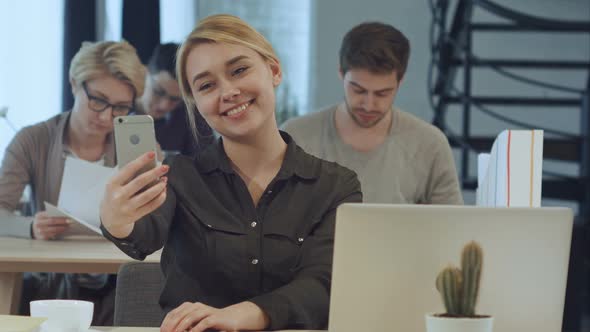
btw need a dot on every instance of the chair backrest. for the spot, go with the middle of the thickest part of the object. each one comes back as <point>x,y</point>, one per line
<point>138,291</point>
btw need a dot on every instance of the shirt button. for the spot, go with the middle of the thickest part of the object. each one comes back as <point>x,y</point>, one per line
<point>300,239</point>
<point>269,192</point>
<point>254,261</point>
<point>253,224</point>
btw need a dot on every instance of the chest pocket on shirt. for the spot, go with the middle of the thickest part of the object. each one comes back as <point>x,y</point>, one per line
<point>217,247</point>
<point>282,248</point>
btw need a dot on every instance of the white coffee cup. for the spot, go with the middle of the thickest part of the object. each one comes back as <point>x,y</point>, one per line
<point>63,315</point>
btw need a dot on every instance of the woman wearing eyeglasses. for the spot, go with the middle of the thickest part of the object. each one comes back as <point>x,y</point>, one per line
<point>163,102</point>
<point>105,79</point>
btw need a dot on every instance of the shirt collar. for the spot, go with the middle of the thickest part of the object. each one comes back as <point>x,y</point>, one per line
<point>62,125</point>
<point>296,163</point>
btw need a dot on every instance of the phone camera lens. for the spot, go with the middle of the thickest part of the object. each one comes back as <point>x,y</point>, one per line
<point>120,120</point>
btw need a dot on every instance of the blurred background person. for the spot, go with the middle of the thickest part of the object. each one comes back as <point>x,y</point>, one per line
<point>163,102</point>
<point>105,78</point>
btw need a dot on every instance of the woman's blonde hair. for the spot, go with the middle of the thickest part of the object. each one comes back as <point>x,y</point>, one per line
<point>118,59</point>
<point>221,28</point>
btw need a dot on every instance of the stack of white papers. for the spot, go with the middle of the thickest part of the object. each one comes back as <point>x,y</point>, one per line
<point>82,188</point>
<point>512,173</point>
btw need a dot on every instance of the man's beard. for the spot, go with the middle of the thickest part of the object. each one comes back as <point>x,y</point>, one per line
<point>363,124</point>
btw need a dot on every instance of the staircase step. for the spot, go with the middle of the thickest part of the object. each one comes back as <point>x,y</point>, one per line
<point>517,101</point>
<point>553,148</point>
<point>569,190</point>
<point>533,64</point>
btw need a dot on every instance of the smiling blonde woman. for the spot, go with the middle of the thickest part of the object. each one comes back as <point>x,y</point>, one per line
<point>248,226</point>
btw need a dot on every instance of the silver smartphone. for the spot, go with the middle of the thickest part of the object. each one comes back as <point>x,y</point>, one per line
<point>134,136</point>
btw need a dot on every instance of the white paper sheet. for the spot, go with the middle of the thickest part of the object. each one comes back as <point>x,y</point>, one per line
<point>82,188</point>
<point>79,227</point>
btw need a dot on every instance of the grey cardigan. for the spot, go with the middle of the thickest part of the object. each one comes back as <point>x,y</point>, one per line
<point>35,156</point>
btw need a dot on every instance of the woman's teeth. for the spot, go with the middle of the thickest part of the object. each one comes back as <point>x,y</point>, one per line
<point>237,110</point>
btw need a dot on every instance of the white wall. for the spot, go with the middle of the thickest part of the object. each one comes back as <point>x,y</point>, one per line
<point>30,63</point>
<point>177,19</point>
<point>286,24</point>
<point>333,18</point>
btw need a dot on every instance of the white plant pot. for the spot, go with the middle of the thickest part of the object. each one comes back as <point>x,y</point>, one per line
<point>449,324</point>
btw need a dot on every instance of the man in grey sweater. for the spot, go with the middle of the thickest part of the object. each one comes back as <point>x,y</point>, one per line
<point>398,157</point>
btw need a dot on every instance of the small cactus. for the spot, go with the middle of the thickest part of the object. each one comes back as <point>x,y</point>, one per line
<point>448,284</point>
<point>459,287</point>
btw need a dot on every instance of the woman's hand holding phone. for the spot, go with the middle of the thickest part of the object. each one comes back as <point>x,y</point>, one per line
<point>126,197</point>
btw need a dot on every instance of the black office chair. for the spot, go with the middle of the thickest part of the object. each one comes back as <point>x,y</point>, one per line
<point>138,291</point>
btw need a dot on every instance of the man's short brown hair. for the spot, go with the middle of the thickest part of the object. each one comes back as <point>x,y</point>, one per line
<point>376,47</point>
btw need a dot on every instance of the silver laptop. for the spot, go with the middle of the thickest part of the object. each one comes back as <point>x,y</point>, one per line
<point>386,259</point>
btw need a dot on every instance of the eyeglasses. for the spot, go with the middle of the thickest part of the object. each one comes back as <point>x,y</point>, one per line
<point>97,104</point>
<point>161,93</point>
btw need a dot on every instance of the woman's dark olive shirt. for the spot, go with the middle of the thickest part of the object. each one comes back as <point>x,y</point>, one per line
<point>220,249</point>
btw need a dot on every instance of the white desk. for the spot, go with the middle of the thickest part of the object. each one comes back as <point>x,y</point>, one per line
<point>88,255</point>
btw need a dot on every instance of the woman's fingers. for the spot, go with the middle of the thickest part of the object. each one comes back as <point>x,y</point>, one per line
<point>48,227</point>
<point>53,232</point>
<point>129,196</point>
<point>53,221</point>
<point>138,201</point>
<point>206,323</point>
<point>128,171</point>
<point>152,205</point>
<point>176,311</point>
<point>47,233</point>
<point>143,180</point>
<point>176,318</point>
<point>194,317</point>
<point>173,317</point>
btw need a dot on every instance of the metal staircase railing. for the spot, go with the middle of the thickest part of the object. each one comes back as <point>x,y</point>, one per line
<point>453,55</point>
<point>452,51</point>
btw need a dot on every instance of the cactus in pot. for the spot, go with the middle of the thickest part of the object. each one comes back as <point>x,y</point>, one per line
<point>459,288</point>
